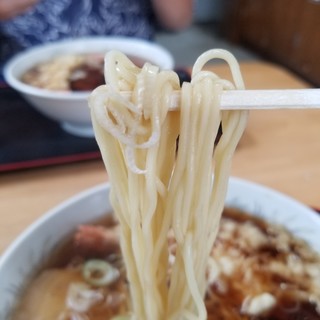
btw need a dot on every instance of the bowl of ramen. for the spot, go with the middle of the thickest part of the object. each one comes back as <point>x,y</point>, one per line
<point>56,78</point>
<point>265,263</point>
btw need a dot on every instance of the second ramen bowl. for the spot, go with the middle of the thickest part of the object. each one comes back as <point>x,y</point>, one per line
<point>70,108</point>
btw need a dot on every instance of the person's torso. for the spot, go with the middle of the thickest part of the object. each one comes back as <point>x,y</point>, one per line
<point>52,20</point>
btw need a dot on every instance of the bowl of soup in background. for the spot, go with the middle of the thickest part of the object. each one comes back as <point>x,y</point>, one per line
<point>68,107</point>
<point>33,247</point>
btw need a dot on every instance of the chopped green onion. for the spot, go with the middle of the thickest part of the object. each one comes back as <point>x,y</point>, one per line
<point>80,297</point>
<point>99,272</point>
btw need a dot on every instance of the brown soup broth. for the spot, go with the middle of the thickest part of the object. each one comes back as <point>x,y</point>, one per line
<point>67,251</point>
<point>256,254</point>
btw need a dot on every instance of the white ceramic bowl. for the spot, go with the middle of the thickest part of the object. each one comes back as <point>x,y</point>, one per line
<point>70,109</point>
<point>35,244</point>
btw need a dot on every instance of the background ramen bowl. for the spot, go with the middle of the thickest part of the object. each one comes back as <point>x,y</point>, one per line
<point>23,258</point>
<point>70,109</point>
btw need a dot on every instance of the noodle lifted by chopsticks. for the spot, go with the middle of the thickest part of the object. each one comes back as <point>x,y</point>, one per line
<point>157,189</point>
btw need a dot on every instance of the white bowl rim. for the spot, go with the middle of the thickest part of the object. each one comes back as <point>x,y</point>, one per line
<point>72,95</point>
<point>87,193</point>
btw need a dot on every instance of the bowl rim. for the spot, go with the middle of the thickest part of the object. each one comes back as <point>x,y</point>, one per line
<point>49,214</point>
<point>235,182</point>
<point>26,89</point>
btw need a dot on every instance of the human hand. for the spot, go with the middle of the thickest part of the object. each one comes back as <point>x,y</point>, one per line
<point>11,8</point>
<point>174,14</point>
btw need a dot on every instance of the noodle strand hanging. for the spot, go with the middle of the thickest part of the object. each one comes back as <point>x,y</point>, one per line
<point>159,188</point>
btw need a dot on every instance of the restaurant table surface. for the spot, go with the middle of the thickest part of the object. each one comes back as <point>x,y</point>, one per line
<point>279,149</point>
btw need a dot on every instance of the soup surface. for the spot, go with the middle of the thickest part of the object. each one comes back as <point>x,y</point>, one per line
<point>256,271</point>
<point>71,72</point>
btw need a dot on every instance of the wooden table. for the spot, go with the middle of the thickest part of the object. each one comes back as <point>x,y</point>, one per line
<point>280,149</point>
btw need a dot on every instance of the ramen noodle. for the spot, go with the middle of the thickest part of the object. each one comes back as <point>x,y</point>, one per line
<point>155,187</point>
